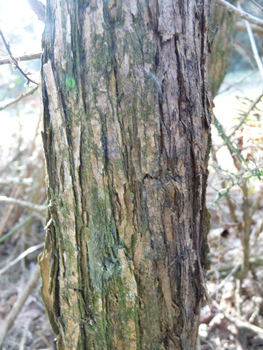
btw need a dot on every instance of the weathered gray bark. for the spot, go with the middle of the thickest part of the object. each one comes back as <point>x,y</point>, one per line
<point>126,157</point>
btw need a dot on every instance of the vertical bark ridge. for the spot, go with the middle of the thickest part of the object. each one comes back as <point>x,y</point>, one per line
<point>126,138</point>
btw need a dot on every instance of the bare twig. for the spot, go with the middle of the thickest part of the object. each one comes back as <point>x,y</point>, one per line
<point>253,105</point>
<point>17,181</point>
<point>9,320</point>
<point>35,207</point>
<point>239,323</point>
<point>21,97</point>
<point>255,232</point>
<point>2,239</point>
<point>246,54</point>
<point>45,340</point>
<point>237,83</point>
<point>14,60</point>
<point>236,156</point>
<point>221,285</point>
<point>241,27</point>
<point>15,193</point>
<point>256,261</point>
<point>24,335</point>
<point>255,3</point>
<point>207,342</point>
<point>22,256</point>
<point>242,14</point>
<point>32,56</point>
<point>15,157</point>
<point>224,185</point>
<point>39,8</point>
<point>18,190</point>
<point>254,48</point>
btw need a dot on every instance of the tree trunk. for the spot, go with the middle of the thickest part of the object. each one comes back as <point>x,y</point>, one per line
<point>126,136</point>
<point>223,45</point>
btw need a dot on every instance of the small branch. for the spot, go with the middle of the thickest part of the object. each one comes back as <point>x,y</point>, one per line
<point>9,320</point>
<point>2,239</point>
<point>22,344</point>
<point>245,54</point>
<point>221,285</point>
<point>35,207</point>
<point>255,233</point>
<point>39,8</point>
<point>14,61</point>
<point>236,156</point>
<point>21,97</point>
<point>241,27</point>
<point>45,340</point>
<point>253,105</point>
<point>207,342</point>
<point>242,14</point>
<point>254,48</point>
<point>237,83</point>
<point>255,3</point>
<point>32,56</point>
<point>239,323</point>
<point>224,185</point>
<point>22,256</point>
<point>17,181</point>
<point>246,230</point>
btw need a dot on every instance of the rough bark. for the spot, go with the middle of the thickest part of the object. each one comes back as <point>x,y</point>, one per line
<point>223,45</point>
<point>126,136</point>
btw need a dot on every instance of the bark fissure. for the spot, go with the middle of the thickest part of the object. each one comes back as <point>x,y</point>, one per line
<point>125,102</point>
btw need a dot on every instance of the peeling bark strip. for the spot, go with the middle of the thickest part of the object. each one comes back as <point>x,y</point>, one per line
<point>126,171</point>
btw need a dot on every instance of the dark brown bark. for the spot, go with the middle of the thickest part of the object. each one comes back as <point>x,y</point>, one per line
<point>126,129</point>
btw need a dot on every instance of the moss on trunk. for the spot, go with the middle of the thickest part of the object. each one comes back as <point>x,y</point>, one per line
<point>126,126</point>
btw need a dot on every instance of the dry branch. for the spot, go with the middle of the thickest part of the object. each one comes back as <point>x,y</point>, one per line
<point>35,207</point>
<point>253,105</point>
<point>21,97</point>
<point>33,56</point>
<point>242,14</point>
<point>254,48</point>
<point>2,239</point>
<point>22,256</point>
<point>16,181</point>
<point>33,279</point>
<point>22,344</point>
<point>241,27</point>
<point>13,59</point>
<point>225,280</point>
<point>239,323</point>
<point>255,3</point>
<point>245,54</point>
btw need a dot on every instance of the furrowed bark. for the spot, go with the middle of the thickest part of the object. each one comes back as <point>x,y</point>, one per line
<point>126,136</point>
